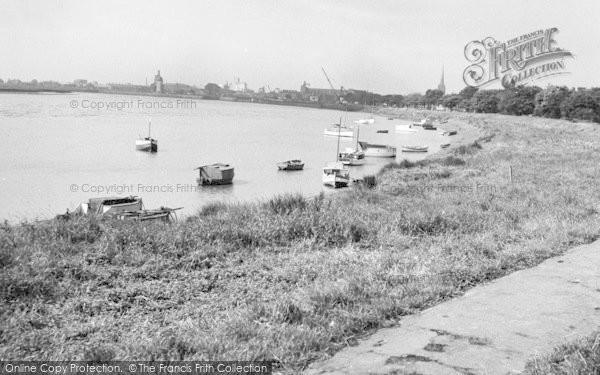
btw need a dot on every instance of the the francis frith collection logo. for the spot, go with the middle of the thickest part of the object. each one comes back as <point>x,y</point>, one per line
<point>518,61</point>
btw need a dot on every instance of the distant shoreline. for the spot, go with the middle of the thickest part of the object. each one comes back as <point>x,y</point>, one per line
<point>31,91</point>
<point>317,105</point>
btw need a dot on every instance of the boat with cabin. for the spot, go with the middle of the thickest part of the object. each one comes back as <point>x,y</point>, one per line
<point>380,151</point>
<point>353,156</point>
<point>148,143</point>
<point>336,174</point>
<point>291,165</point>
<point>215,174</point>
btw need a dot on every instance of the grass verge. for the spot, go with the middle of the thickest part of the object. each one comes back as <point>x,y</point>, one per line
<point>296,279</point>
<point>579,357</point>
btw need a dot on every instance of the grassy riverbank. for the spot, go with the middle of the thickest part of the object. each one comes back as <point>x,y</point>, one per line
<point>579,357</point>
<point>295,279</point>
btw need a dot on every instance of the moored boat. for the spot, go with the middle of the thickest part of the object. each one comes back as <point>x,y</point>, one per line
<point>215,174</point>
<point>336,175</point>
<point>109,206</point>
<point>405,129</point>
<point>365,121</point>
<point>291,165</point>
<point>383,131</point>
<point>148,143</point>
<point>445,145</point>
<point>381,151</point>
<point>424,121</point>
<point>352,157</point>
<point>339,130</point>
<point>422,148</point>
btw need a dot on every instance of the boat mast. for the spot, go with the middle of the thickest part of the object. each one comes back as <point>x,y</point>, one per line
<point>337,154</point>
<point>149,124</point>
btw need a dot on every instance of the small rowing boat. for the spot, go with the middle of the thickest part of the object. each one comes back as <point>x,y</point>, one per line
<point>422,148</point>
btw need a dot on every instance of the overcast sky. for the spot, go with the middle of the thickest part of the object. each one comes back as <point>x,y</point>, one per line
<point>384,46</point>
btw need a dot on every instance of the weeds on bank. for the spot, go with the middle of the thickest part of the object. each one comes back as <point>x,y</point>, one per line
<point>579,357</point>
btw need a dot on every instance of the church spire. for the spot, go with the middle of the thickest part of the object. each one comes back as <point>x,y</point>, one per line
<point>442,86</point>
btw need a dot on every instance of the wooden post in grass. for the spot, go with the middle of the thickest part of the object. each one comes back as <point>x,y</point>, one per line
<point>510,173</point>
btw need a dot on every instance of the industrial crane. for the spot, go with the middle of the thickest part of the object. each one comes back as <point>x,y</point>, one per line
<point>331,85</point>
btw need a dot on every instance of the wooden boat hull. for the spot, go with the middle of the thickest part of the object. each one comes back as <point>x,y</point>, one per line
<point>291,165</point>
<point>109,206</point>
<point>378,151</point>
<point>164,214</point>
<point>414,148</point>
<point>445,145</point>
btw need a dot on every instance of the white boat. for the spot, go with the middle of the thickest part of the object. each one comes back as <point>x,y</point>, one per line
<point>215,174</point>
<point>339,130</point>
<point>148,143</point>
<point>405,129</point>
<point>109,206</point>
<point>422,148</point>
<point>381,151</point>
<point>336,174</point>
<point>365,121</point>
<point>352,156</point>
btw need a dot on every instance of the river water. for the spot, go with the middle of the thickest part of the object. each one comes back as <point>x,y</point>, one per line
<point>58,150</point>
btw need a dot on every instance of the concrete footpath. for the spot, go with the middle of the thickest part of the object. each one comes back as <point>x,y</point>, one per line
<point>493,329</point>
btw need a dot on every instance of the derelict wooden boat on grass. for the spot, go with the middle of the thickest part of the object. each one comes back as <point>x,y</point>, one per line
<point>165,214</point>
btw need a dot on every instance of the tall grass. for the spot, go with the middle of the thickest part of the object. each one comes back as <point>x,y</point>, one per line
<point>579,357</point>
<point>295,278</point>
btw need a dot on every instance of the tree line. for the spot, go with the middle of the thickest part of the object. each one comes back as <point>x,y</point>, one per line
<point>553,101</point>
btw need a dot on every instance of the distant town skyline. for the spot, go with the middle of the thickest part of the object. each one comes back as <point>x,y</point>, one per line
<point>388,47</point>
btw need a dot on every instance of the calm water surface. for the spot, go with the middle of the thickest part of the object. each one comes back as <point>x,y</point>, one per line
<point>54,156</point>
